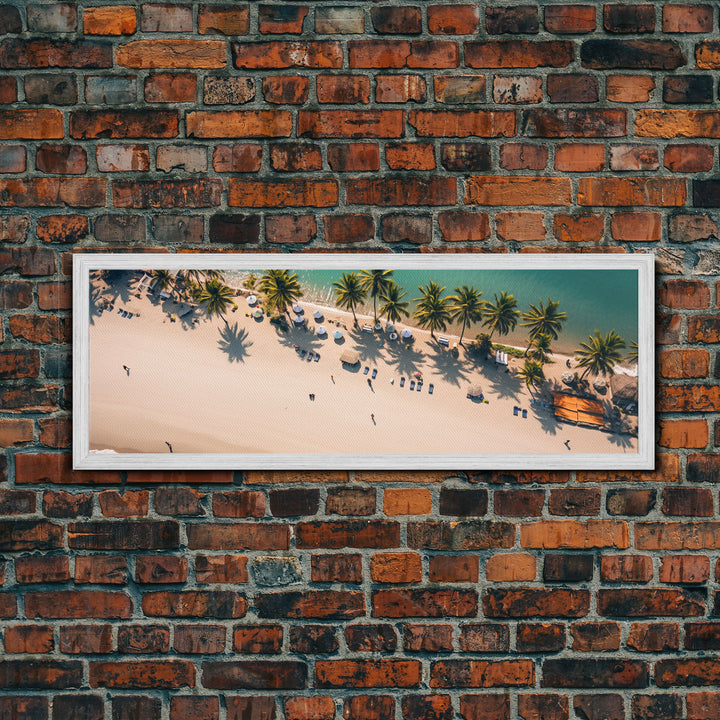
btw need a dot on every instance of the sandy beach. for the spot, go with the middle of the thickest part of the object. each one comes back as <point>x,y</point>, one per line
<point>207,387</point>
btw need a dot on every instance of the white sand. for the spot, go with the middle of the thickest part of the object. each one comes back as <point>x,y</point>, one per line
<point>212,389</point>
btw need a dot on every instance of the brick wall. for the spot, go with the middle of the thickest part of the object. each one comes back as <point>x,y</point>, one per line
<point>307,125</point>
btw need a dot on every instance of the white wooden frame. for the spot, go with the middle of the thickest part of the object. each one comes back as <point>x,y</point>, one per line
<point>642,460</point>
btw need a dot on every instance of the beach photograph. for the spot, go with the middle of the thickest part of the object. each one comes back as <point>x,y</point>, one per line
<point>339,361</point>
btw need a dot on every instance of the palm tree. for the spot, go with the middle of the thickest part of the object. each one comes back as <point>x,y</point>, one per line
<point>163,279</point>
<point>482,345</point>
<point>433,310</point>
<point>541,350</point>
<point>632,356</point>
<point>218,297</point>
<point>466,306</point>
<point>394,306</point>
<point>601,353</point>
<point>281,288</point>
<point>349,292</point>
<point>501,315</point>
<point>250,281</point>
<point>543,319</point>
<point>375,282</point>
<point>533,375</point>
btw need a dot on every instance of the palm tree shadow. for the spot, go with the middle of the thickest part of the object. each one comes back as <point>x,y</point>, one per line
<point>548,422</point>
<point>366,344</point>
<point>406,359</point>
<point>503,384</point>
<point>234,343</point>
<point>452,369</point>
<point>621,440</point>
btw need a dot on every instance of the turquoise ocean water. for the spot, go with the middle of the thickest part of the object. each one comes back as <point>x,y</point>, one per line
<point>593,299</point>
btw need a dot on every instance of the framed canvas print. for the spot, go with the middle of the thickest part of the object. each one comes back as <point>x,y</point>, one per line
<point>363,361</point>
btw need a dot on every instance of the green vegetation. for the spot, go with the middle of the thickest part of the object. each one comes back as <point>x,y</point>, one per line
<point>502,315</point>
<point>533,375</point>
<point>375,282</point>
<point>466,306</point>
<point>600,354</point>
<point>281,289</point>
<point>433,310</point>
<point>218,297</point>
<point>394,307</point>
<point>349,292</point>
<point>543,320</point>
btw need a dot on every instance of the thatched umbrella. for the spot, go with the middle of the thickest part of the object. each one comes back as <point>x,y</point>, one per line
<point>351,357</point>
<point>474,391</point>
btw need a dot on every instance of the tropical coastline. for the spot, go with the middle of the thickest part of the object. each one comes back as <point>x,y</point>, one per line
<point>239,384</point>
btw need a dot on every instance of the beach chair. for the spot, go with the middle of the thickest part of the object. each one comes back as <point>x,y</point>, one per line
<point>412,384</point>
<point>317,357</point>
<point>419,386</point>
<point>366,370</point>
<point>302,353</point>
<point>524,413</point>
<point>443,340</point>
<point>402,382</point>
<point>374,373</point>
<point>310,356</point>
<point>367,328</point>
<point>119,311</point>
<point>431,387</point>
<point>515,410</point>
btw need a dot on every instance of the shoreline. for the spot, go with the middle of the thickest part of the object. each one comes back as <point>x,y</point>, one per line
<point>204,386</point>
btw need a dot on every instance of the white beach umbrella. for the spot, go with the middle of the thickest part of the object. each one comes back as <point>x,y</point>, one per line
<point>406,334</point>
<point>318,315</point>
<point>298,320</point>
<point>252,299</point>
<point>320,330</point>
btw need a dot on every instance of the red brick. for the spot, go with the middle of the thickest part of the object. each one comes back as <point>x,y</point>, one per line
<point>143,639</point>
<point>629,88</point>
<point>163,674</point>
<point>580,157</point>
<point>453,19</point>
<point>625,158</point>
<point>290,228</point>
<point>683,433</point>
<point>223,20</point>
<point>320,707</point>
<point>53,192</point>
<point>110,20</point>
<point>482,673</point>
<point>463,123</point>
<point>316,604</point>
<point>295,157</point>
<point>518,89</point>
<point>351,123</point>
<point>342,229</point>
<point>427,638</point>
<point>370,638</point>
<point>578,122</point>
<point>150,569</point>
<point>511,567</point>
<point>544,602</point>
<point>614,192</point>
<point>29,639</point>
<point>566,19</point>
<point>367,673</point>
<point>679,364</point>
<point>578,228</point>
<point>457,226</point>
<point>78,604</point>
<point>12,434</point>
<point>101,570</point>
<point>16,53</point>
<point>238,536</point>
<point>636,226</point>
<point>258,706</point>
<point>221,569</point>
<point>285,90</point>
<point>277,54</point>
<point>354,157</point>
<point>199,639</point>
<point>279,21</point>
<point>688,158</point>
<point>626,568</point>
<point>677,123</point>
<point>170,88</point>
<point>654,637</point>
<point>390,191</point>
<point>399,88</point>
<point>403,53</point>
<point>132,503</point>
<point>187,707</point>
<point>199,603</point>
<point>685,294</point>
<point>396,567</point>
<point>343,89</point>
<point>687,18</point>
<point>518,54</point>
<point>518,191</point>
<point>684,569</point>
<point>337,567</point>
<point>520,226</point>
<point>40,328</point>
<point>166,193</point>
<point>410,156</point>
<point>44,675</point>
<point>12,159</point>
<point>171,54</point>
<point>256,639</point>
<point>449,568</point>
<point>369,707</point>
<point>417,602</point>
<point>545,706</point>
<point>86,639</point>
<point>523,156</point>
<point>290,193</point>
<point>484,638</point>
<point>122,158</point>
<point>402,20</point>
<point>123,124</point>
<point>52,569</point>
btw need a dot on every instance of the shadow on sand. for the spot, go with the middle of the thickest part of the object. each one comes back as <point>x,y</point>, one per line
<point>234,343</point>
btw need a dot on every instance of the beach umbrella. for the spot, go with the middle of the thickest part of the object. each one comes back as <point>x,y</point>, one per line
<point>389,328</point>
<point>252,299</point>
<point>320,330</point>
<point>474,391</point>
<point>318,315</point>
<point>298,309</point>
<point>337,334</point>
<point>568,378</point>
<point>405,334</point>
<point>298,320</point>
<point>258,313</point>
<point>393,336</point>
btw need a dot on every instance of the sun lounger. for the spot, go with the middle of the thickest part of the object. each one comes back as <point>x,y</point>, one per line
<point>310,356</point>
<point>119,311</point>
<point>515,410</point>
<point>431,387</point>
<point>302,352</point>
<point>317,357</point>
<point>367,328</point>
<point>524,413</point>
<point>402,382</point>
<point>419,386</point>
<point>443,340</point>
<point>412,384</point>
<point>374,373</point>
<point>366,370</point>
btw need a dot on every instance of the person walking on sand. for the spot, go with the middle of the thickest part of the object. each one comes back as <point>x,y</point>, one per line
<point>372,417</point>
<point>169,445</point>
<point>567,444</point>
<point>332,377</point>
<point>127,370</point>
